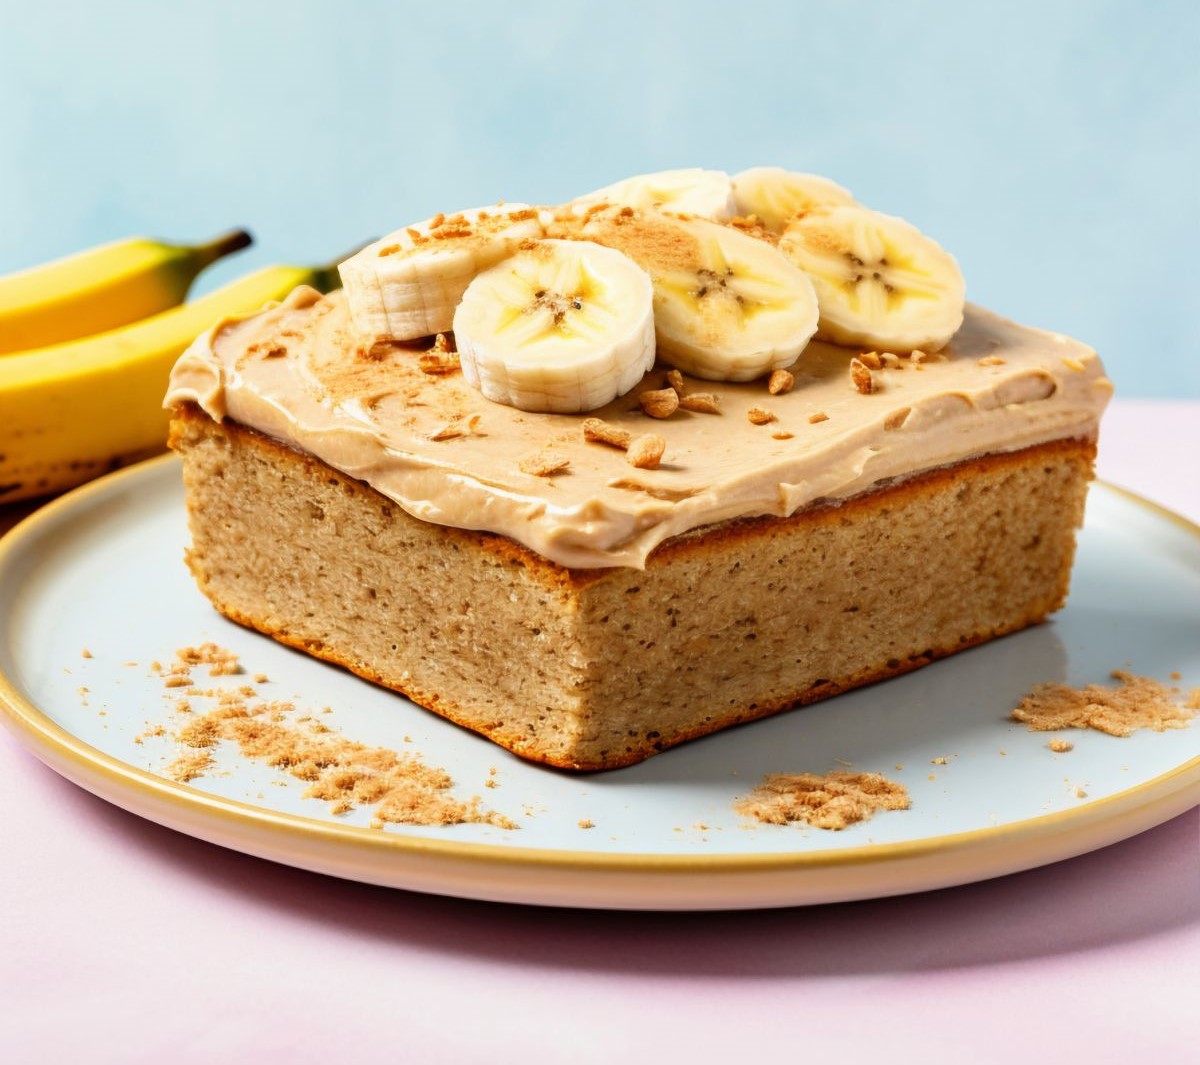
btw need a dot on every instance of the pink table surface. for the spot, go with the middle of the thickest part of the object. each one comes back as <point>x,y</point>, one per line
<point>122,941</point>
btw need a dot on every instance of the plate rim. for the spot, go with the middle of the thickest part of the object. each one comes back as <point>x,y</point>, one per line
<point>1167,794</point>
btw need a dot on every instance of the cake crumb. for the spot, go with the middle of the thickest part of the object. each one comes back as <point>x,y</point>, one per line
<point>646,452</point>
<point>85,653</point>
<point>189,766</point>
<point>1139,703</point>
<point>700,403</point>
<point>1193,700</point>
<point>991,360</point>
<point>151,732</point>
<point>780,382</point>
<point>1080,793</point>
<point>1061,746</point>
<point>817,416</point>
<point>833,801</point>
<point>759,416</point>
<point>544,464</point>
<point>260,678</point>
<point>221,661</point>
<point>596,431</point>
<point>861,377</point>
<point>1176,675</point>
<point>401,788</point>
<point>659,402</point>
<point>586,823</point>
<point>939,760</point>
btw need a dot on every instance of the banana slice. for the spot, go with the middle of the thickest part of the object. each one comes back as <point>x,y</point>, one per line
<point>562,325</point>
<point>408,284</point>
<point>727,307</point>
<point>707,193</point>
<point>776,196</point>
<point>879,280</point>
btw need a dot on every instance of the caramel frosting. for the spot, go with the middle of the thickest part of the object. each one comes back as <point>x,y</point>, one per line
<point>403,419</point>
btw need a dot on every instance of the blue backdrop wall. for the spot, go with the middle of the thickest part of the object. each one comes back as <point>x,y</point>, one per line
<point>1052,146</point>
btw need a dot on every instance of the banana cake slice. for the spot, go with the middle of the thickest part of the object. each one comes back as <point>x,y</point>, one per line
<point>526,580</point>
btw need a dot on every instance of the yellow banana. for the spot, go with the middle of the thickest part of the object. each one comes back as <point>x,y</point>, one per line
<point>72,411</point>
<point>102,288</point>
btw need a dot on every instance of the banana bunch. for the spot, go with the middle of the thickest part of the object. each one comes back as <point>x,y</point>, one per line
<point>102,288</point>
<point>742,272</point>
<point>75,408</point>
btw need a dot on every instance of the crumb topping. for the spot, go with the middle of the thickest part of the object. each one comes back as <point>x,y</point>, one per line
<point>659,402</point>
<point>598,431</point>
<point>700,403</point>
<point>646,452</point>
<point>780,382</point>
<point>759,416</point>
<point>544,464</point>
<point>861,377</point>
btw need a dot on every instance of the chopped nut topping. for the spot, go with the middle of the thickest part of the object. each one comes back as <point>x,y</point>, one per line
<point>700,402</point>
<point>600,432</point>
<point>891,361</point>
<point>782,435</point>
<point>456,428</point>
<point>896,419</point>
<point>871,359</point>
<point>780,381</point>
<point>660,402</point>
<point>1072,363</point>
<point>817,416</point>
<point>675,381</point>
<point>918,356</point>
<point>437,362</point>
<point>547,464</point>
<point>759,416</point>
<point>646,451</point>
<point>991,360</point>
<point>863,379</point>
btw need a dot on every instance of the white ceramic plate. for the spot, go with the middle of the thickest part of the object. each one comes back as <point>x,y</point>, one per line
<point>103,569</point>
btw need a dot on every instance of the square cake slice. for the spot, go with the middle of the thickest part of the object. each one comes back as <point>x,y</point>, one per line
<point>363,502</point>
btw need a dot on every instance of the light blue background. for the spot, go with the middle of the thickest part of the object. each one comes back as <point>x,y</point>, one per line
<point>1054,147</point>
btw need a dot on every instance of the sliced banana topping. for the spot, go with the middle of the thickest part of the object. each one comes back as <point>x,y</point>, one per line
<point>775,196</point>
<point>707,193</point>
<point>727,307</point>
<point>562,325</point>
<point>408,284</point>
<point>879,280</point>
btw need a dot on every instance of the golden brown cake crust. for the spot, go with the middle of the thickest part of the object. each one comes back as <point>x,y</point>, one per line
<point>599,668</point>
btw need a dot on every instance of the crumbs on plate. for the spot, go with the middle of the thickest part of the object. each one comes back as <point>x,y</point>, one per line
<point>833,801</point>
<point>1137,703</point>
<point>400,788</point>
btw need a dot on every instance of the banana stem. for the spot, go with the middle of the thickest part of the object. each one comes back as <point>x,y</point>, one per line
<point>225,244</point>
<point>327,277</point>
